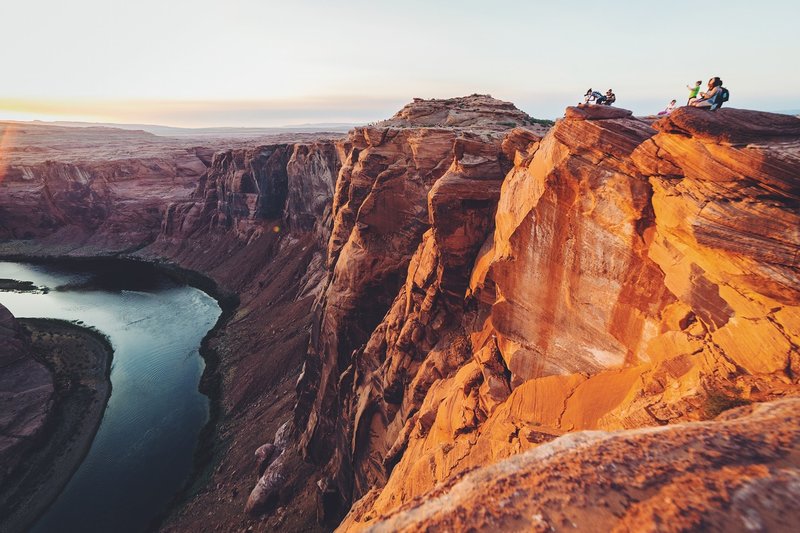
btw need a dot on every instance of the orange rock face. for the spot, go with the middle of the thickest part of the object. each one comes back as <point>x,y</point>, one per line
<point>733,474</point>
<point>431,174</point>
<point>629,274</point>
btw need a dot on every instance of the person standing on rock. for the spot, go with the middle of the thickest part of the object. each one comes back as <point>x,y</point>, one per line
<point>693,90</point>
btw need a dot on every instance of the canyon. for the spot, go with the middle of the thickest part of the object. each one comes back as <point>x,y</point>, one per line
<point>464,317</point>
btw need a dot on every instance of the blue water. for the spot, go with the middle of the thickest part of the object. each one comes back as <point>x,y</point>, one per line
<point>143,451</point>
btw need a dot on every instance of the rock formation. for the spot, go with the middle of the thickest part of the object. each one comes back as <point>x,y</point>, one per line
<point>255,223</point>
<point>26,390</point>
<point>459,285</point>
<point>273,471</point>
<point>101,191</point>
<point>733,474</point>
<point>434,162</point>
<point>629,280</point>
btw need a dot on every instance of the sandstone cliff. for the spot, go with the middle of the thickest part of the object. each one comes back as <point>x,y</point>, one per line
<point>257,225</point>
<point>254,221</point>
<point>682,477</point>
<point>628,274</point>
<point>461,285</point>
<point>435,162</point>
<point>87,191</point>
<point>101,188</point>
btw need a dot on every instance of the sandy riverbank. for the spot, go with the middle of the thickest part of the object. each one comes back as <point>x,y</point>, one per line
<point>80,360</point>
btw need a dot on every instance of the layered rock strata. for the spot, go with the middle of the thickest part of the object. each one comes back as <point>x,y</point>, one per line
<point>93,186</point>
<point>633,274</point>
<point>461,285</point>
<point>100,191</point>
<point>255,222</point>
<point>430,174</point>
<point>733,474</point>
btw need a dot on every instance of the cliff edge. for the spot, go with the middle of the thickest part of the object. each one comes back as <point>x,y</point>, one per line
<point>612,274</point>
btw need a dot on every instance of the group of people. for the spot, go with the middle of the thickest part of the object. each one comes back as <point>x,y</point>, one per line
<point>599,98</point>
<point>711,99</point>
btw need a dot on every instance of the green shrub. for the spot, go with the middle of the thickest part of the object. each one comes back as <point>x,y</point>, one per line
<point>719,401</point>
<point>542,121</point>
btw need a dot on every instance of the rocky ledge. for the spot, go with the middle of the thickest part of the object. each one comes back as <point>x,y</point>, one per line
<point>26,392</point>
<point>733,474</point>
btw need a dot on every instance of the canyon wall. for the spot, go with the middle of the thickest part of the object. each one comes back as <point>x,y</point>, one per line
<point>102,206</point>
<point>254,221</point>
<point>460,284</point>
<point>628,274</point>
<point>434,162</point>
<point>258,225</point>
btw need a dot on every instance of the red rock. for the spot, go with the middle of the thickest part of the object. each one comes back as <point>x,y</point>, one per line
<point>596,112</point>
<point>272,479</point>
<point>625,282</point>
<point>26,391</point>
<point>469,289</point>
<point>730,125</point>
<point>418,170</point>
<point>725,475</point>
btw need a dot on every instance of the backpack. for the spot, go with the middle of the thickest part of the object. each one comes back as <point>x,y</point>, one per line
<point>724,94</point>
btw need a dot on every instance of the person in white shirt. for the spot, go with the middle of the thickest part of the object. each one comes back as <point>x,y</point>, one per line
<point>670,108</point>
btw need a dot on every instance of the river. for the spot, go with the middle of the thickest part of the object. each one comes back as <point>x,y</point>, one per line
<point>143,451</point>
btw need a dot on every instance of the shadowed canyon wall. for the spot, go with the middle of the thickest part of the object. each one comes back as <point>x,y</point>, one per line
<point>255,221</point>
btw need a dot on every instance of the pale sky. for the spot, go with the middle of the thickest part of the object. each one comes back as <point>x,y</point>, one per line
<point>271,63</point>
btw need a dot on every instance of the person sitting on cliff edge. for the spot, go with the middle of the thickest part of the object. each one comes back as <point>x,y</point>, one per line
<point>591,96</point>
<point>608,98</point>
<point>669,109</point>
<point>714,97</point>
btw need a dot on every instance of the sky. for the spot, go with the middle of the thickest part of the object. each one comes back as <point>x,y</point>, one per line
<point>204,63</point>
